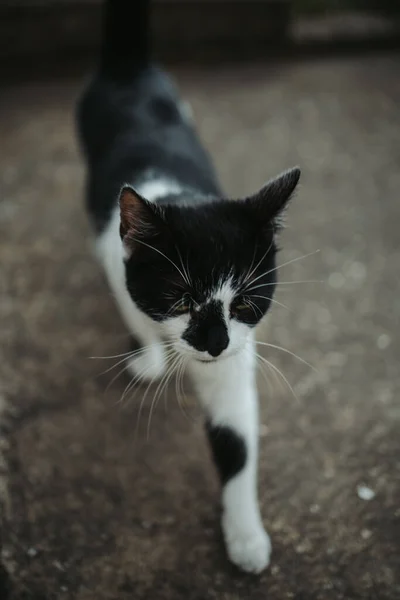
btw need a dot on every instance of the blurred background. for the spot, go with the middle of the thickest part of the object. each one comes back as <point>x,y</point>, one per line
<point>51,34</point>
<point>92,507</point>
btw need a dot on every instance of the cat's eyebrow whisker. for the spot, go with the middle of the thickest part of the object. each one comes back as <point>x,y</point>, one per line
<point>164,255</point>
<point>256,287</point>
<point>271,300</point>
<point>258,264</point>
<point>288,352</point>
<point>272,366</point>
<point>185,271</point>
<point>289,262</point>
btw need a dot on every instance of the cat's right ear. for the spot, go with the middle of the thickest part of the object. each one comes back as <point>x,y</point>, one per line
<point>138,217</point>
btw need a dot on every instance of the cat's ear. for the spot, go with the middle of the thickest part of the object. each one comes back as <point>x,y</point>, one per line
<point>138,217</point>
<point>272,199</point>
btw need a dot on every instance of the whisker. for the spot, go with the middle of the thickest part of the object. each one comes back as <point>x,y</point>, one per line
<point>253,306</point>
<point>140,375</point>
<point>159,392</point>
<point>109,384</point>
<point>272,366</point>
<point>132,354</point>
<point>256,287</point>
<point>258,264</point>
<point>284,265</point>
<point>112,356</point>
<point>262,370</point>
<point>171,309</point>
<point>162,254</point>
<point>180,396</point>
<point>288,352</point>
<point>135,379</point>
<point>147,391</point>
<point>272,300</point>
<point>187,278</point>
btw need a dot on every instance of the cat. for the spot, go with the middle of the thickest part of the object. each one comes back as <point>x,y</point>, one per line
<point>185,263</point>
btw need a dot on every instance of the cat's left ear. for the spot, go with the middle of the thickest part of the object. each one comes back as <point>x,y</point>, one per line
<point>274,196</point>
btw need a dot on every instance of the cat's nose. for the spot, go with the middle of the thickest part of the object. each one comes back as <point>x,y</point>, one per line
<point>217,340</point>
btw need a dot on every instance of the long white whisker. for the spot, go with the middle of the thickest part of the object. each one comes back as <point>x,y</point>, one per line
<point>258,264</point>
<point>133,354</point>
<point>264,366</point>
<point>289,352</point>
<point>171,309</point>
<point>253,306</point>
<point>147,391</point>
<point>284,265</point>
<point>164,255</point>
<point>187,278</point>
<point>271,300</point>
<point>124,368</point>
<point>256,287</point>
<point>112,356</point>
<point>138,377</point>
<point>160,390</point>
<point>133,381</point>
<point>262,369</point>
<point>141,374</point>
<point>125,359</point>
<point>272,366</point>
<point>180,396</point>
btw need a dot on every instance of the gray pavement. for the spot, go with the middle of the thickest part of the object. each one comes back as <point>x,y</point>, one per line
<point>96,509</point>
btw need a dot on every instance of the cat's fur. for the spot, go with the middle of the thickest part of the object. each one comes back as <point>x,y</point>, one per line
<point>183,262</point>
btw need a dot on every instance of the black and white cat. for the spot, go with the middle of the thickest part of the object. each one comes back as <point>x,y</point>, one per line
<point>185,263</point>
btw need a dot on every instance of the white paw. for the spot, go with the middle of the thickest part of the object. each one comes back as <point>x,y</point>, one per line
<point>249,550</point>
<point>148,365</point>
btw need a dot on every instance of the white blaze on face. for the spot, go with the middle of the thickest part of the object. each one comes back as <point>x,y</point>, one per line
<point>238,332</point>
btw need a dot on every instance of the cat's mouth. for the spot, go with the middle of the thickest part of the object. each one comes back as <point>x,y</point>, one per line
<point>216,358</point>
<point>207,360</point>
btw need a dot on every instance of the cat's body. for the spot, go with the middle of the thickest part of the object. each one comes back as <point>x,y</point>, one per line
<point>183,263</point>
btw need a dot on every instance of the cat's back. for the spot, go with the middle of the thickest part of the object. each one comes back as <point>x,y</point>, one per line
<point>144,105</point>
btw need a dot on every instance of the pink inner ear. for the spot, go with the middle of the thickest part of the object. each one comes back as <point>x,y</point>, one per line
<point>136,215</point>
<point>129,203</point>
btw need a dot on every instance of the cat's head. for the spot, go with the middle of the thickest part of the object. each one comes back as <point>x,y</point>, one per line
<point>206,272</point>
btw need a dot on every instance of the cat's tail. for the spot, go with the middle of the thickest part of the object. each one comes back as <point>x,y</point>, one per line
<point>126,38</point>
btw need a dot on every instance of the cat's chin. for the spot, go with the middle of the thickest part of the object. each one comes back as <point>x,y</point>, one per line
<point>212,360</point>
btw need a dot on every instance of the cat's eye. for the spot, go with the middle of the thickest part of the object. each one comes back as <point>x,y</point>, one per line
<point>183,306</point>
<point>239,307</point>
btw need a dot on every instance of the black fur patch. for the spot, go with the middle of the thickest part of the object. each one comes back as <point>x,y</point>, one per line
<point>228,449</point>
<point>207,330</point>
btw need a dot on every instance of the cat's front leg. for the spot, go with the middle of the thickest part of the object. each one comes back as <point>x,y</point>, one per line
<point>227,390</point>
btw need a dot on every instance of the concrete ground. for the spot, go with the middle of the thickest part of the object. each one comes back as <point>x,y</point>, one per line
<point>95,506</point>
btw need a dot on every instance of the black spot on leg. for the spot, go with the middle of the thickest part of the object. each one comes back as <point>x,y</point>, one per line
<point>228,449</point>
